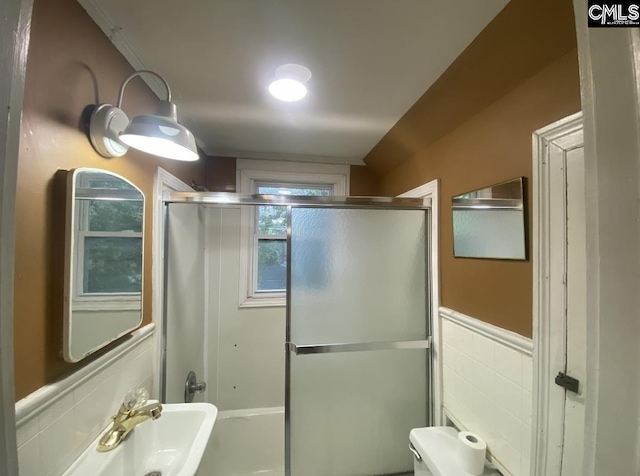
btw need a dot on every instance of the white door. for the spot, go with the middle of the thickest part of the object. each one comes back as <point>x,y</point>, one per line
<point>576,284</point>
<point>559,297</point>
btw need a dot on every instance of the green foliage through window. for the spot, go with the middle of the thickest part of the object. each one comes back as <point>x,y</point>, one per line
<point>112,265</point>
<point>271,222</point>
<point>109,215</point>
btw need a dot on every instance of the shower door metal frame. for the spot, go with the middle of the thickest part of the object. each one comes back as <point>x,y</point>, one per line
<point>222,199</point>
<point>332,201</point>
<point>360,346</point>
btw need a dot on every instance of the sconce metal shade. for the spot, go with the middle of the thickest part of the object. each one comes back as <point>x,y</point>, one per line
<point>161,135</point>
<point>112,133</point>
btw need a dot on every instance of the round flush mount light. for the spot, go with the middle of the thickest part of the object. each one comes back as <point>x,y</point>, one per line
<point>290,83</point>
<point>287,90</point>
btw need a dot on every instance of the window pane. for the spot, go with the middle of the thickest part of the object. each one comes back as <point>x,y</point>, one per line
<point>272,265</point>
<point>109,215</point>
<point>101,181</point>
<point>112,265</point>
<point>272,220</point>
<point>308,191</point>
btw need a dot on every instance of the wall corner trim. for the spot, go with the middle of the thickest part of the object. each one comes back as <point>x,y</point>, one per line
<point>33,404</point>
<point>498,334</point>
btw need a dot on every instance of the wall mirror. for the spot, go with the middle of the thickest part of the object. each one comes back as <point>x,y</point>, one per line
<point>490,222</point>
<point>103,262</point>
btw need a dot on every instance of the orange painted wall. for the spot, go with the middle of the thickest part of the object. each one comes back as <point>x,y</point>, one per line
<point>473,128</point>
<point>490,147</point>
<point>71,64</point>
<point>364,182</point>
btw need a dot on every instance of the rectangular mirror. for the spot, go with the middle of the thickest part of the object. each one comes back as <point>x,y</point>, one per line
<point>490,222</point>
<point>103,261</point>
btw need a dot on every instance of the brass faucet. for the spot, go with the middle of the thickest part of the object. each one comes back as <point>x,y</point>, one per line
<point>125,421</point>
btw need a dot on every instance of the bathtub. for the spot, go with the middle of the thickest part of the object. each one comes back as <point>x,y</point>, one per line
<point>246,442</point>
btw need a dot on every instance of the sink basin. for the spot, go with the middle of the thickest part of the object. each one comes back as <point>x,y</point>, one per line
<point>172,445</point>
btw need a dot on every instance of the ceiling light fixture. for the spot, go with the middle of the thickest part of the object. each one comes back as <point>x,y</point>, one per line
<point>112,133</point>
<point>290,83</point>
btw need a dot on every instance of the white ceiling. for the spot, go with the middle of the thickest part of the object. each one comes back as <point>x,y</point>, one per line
<point>371,60</point>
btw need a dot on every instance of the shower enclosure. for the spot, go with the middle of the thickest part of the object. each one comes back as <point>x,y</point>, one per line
<point>356,346</point>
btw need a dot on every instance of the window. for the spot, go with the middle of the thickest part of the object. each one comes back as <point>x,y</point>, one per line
<point>263,252</point>
<point>270,235</point>
<point>109,248</point>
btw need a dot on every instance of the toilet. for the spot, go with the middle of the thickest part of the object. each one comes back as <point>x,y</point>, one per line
<point>434,451</point>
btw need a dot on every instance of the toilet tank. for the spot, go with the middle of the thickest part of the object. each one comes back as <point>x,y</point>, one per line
<point>437,446</point>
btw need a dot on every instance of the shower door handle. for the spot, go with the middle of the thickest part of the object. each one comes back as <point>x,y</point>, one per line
<point>357,346</point>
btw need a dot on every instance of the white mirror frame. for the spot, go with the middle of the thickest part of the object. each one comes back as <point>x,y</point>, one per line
<point>70,267</point>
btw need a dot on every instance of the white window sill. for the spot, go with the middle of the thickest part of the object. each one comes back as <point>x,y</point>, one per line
<point>267,301</point>
<point>106,305</point>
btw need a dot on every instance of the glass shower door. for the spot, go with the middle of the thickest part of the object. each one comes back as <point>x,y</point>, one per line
<point>358,361</point>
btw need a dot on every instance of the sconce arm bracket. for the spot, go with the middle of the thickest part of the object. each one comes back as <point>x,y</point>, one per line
<point>139,73</point>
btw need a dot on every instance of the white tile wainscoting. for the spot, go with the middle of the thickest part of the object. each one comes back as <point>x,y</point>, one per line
<point>487,386</point>
<point>56,423</point>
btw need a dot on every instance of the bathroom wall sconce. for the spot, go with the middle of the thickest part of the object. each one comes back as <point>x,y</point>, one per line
<point>112,133</point>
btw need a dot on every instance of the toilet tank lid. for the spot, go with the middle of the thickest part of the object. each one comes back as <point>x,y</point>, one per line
<point>437,447</point>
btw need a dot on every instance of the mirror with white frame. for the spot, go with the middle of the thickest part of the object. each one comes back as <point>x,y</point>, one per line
<point>103,261</point>
<point>490,222</point>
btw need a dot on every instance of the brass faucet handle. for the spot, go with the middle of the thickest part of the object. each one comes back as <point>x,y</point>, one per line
<point>123,414</point>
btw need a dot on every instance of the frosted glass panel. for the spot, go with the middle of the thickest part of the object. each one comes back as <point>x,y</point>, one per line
<point>357,275</point>
<point>351,413</point>
<point>489,234</point>
<point>185,298</point>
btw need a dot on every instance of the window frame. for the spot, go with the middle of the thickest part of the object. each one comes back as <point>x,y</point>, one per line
<point>254,173</point>
<point>257,236</point>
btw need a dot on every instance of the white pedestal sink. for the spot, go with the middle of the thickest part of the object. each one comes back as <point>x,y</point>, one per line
<point>172,445</point>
